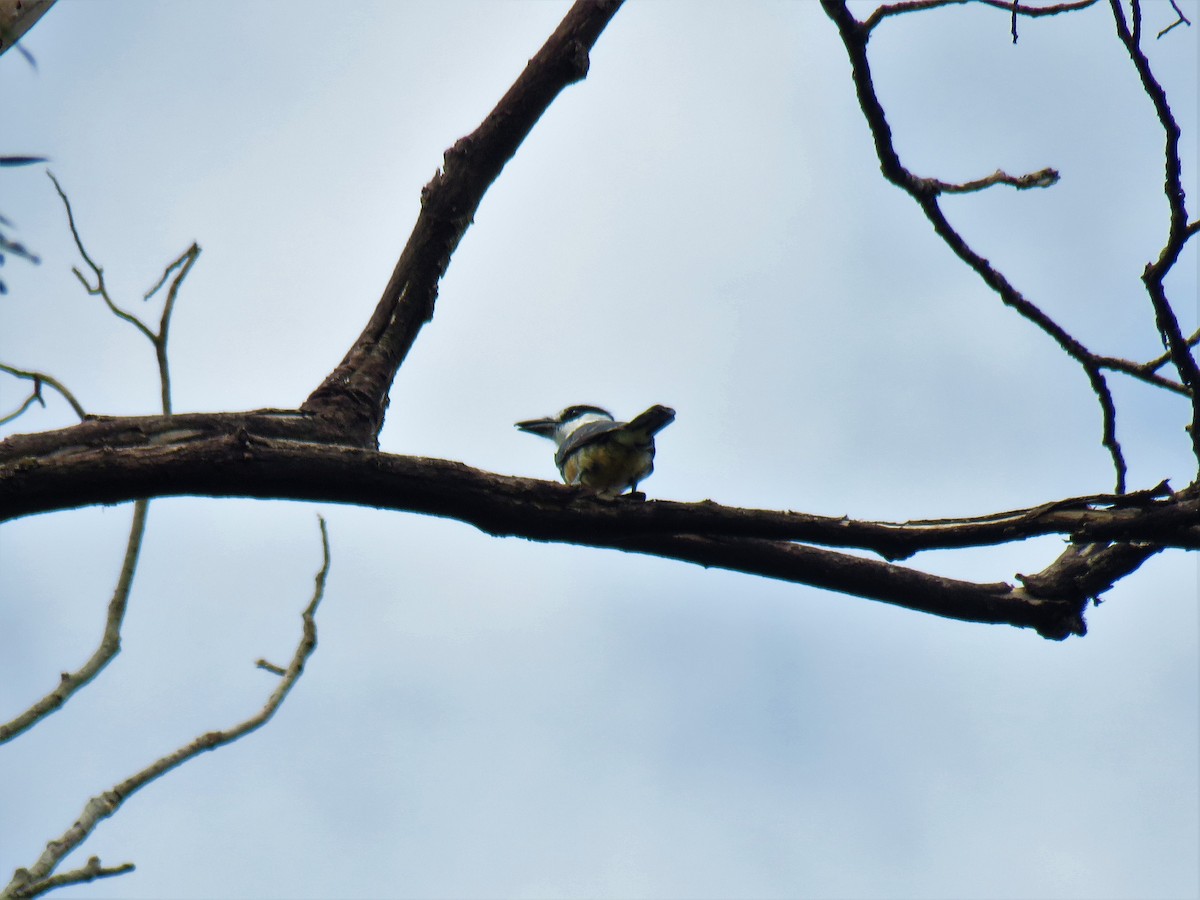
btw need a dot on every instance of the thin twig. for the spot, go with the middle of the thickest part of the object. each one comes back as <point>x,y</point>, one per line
<point>110,642</point>
<point>34,397</point>
<point>181,266</point>
<point>1162,359</point>
<point>1179,231</point>
<point>90,872</point>
<point>1043,178</point>
<point>184,265</point>
<point>1142,372</point>
<point>1033,12</point>
<point>100,289</point>
<point>40,378</point>
<point>1182,20</point>
<point>37,879</point>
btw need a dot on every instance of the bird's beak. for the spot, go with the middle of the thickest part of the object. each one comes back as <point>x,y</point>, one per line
<point>543,427</point>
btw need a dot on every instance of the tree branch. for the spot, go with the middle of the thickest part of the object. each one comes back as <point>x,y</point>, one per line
<point>16,18</point>
<point>225,455</point>
<point>925,192</point>
<point>181,266</point>
<point>1016,8</point>
<point>110,641</point>
<point>238,463</point>
<point>354,396</point>
<point>37,879</point>
<point>38,379</point>
<point>1178,231</point>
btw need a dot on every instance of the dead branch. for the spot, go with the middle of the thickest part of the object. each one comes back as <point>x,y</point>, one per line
<point>110,641</point>
<point>1178,233</point>
<point>354,395</point>
<point>39,379</point>
<point>39,878</point>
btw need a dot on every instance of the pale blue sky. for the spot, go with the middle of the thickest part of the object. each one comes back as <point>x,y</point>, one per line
<point>700,223</point>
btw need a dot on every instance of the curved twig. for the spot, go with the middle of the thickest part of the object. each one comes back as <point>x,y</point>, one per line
<point>37,879</point>
<point>100,288</point>
<point>1179,231</point>
<point>158,338</point>
<point>110,642</point>
<point>1017,9</point>
<point>925,192</point>
<point>38,379</point>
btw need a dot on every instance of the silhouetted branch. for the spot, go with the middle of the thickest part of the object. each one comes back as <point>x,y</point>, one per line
<point>225,455</point>
<point>238,463</point>
<point>158,338</point>
<point>1177,347</point>
<point>38,878</point>
<point>1161,360</point>
<point>1043,178</point>
<point>1181,20</point>
<point>925,192</point>
<point>1016,9</point>
<point>355,393</point>
<point>110,641</point>
<point>39,379</point>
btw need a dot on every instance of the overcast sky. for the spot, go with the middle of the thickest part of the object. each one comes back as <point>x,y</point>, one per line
<point>701,223</point>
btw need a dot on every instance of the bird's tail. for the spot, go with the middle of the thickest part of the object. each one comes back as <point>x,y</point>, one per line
<point>652,421</point>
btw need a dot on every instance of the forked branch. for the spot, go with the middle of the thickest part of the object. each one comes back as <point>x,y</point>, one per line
<point>354,395</point>
<point>39,878</point>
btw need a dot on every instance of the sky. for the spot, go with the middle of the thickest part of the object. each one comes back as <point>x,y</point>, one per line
<point>701,223</point>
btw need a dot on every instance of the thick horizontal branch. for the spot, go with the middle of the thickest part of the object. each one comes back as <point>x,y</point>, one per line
<point>264,455</point>
<point>190,460</point>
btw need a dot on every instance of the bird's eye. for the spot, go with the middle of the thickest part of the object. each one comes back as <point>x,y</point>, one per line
<point>574,412</point>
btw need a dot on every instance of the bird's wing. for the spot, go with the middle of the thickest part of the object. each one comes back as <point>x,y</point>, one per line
<point>582,436</point>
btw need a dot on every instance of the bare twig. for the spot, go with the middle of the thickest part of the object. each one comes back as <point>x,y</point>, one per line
<point>180,267</point>
<point>1179,231</point>
<point>100,289</point>
<point>925,192</point>
<point>158,338</point>
<point>39,379</point>
<point>38,878</point>
<point>90,872</point>
<point>1016,8</point>
<point>35,396</point>
<point>1181,20</point>
<point>1043,178</point>
<point>110,642</point>
<point>1162,359</point>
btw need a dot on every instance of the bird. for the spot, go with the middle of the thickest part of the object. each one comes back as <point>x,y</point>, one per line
<point>598,452</point>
